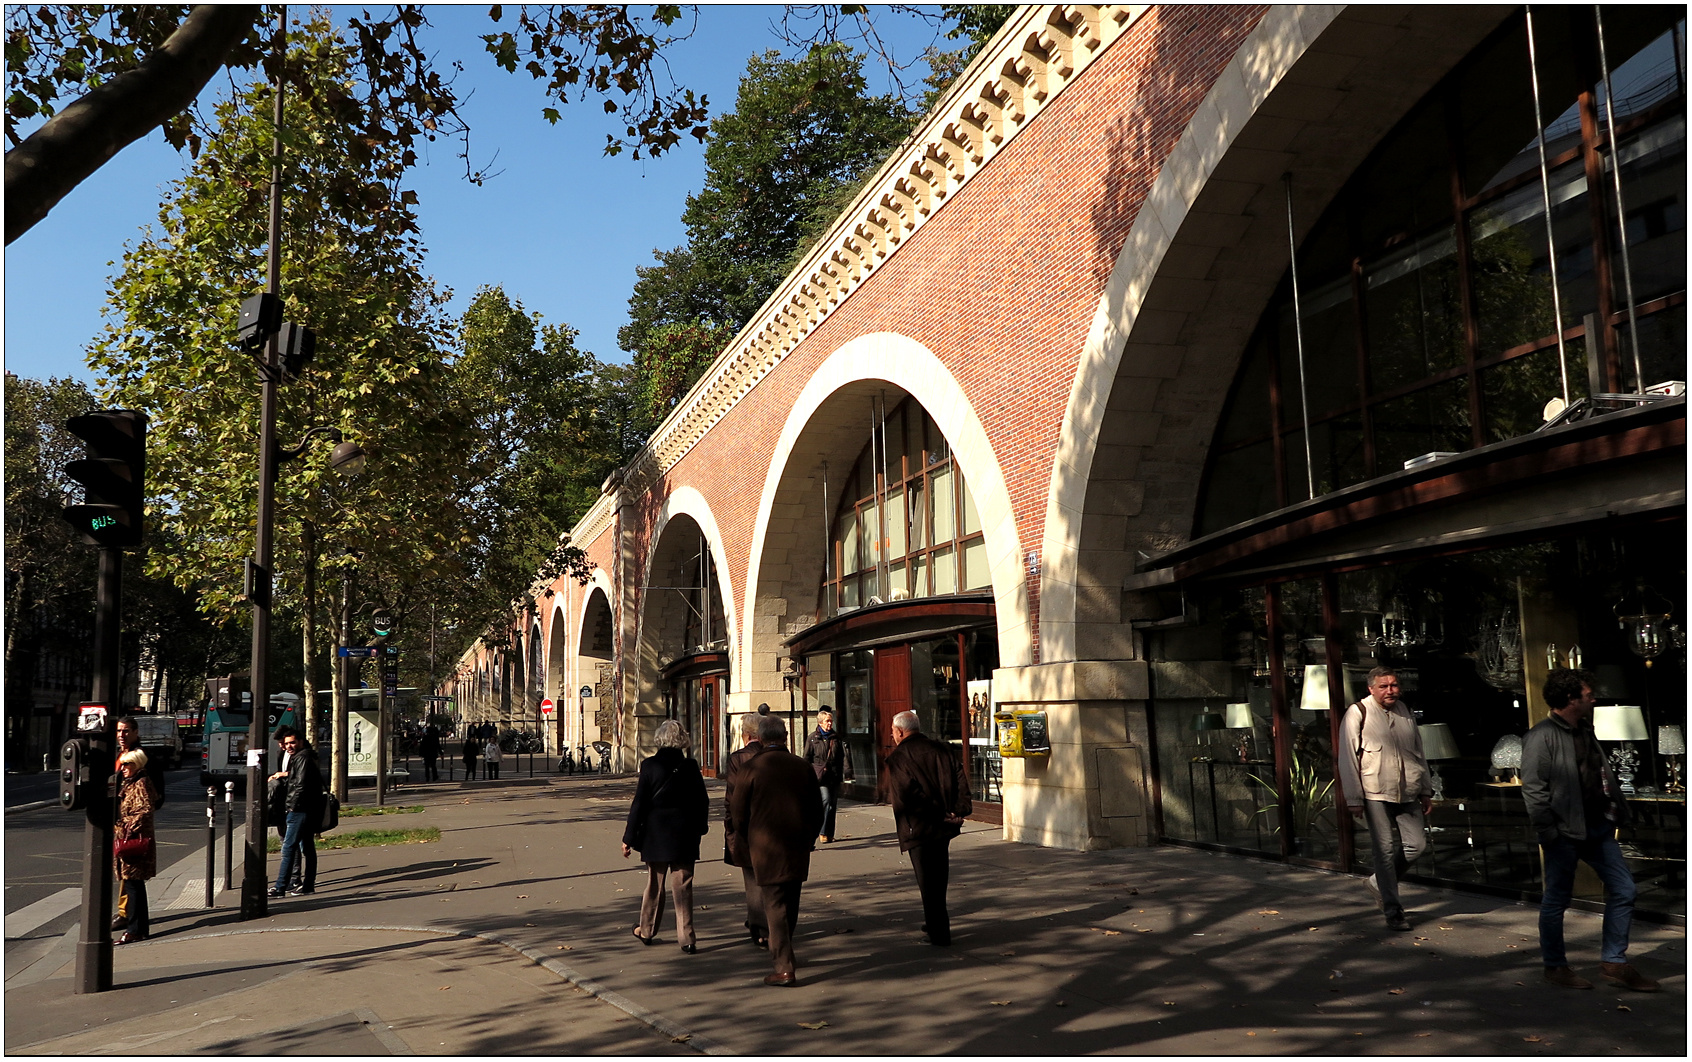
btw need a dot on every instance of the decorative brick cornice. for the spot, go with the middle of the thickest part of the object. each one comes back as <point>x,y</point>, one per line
<point>1040,50</point>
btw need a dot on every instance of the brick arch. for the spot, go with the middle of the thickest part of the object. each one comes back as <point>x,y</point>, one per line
<point>1311,91</point>
<point>827,423</point>
<point>685,512</point>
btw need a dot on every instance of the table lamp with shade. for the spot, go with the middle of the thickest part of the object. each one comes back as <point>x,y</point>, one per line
<point>1237,716</point>
<point>1507,755</point>
<point>1623,723</point>
<point>1671,745</point>
<point>1438,743</point>
<point>1205,722</point>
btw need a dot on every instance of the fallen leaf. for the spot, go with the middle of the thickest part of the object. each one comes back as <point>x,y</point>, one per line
<point>1007,953</point>
<point>530,925</point>
<point>1060,1003</point>
<point>1395,991</point>
<point>1445,927</point>
<point>1624,1006</point>
<point>1530,1039</point>
<point>1268,912</point>
<point>443,988</point>
<point>1314,929</point>
<point>813,1025</point>
<point>1113,932</point>
<point>1168,1003</point>
<point>1420,1035</point>
<point>525,896</point>
<point>682,1039</point>
<point>1251,1034</point>
<point>1000,1002</point>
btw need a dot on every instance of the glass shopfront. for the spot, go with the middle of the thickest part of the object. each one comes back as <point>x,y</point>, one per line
<point>1244,709</point>
<point>698,689</point>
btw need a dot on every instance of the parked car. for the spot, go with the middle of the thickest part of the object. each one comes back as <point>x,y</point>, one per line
<point>161,736</point>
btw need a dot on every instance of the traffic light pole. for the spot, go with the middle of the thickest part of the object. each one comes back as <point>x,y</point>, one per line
<point>94,948</point>
<point>253,879</point>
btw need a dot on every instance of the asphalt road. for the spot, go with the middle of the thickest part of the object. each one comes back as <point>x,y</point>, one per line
<point>44,846</point>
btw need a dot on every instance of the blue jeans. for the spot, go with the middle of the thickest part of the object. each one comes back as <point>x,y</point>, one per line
<point>1601,852</point>
<point>297,837</point>
<point>831,805</point>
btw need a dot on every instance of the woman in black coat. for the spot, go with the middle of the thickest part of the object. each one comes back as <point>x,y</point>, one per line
<point>671,811</point>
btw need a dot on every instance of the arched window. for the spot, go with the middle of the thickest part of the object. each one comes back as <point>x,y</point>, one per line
<point>906,526</point>
<point>1426,289</point>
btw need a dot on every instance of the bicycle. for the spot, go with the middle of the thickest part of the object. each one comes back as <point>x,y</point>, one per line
<point>566,763</point>
<point>603,748</point>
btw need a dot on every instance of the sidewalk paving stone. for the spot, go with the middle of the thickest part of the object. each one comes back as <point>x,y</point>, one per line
<point>1164,950</point>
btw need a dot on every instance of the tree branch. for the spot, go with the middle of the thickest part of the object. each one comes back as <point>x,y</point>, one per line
<point>85,135</point>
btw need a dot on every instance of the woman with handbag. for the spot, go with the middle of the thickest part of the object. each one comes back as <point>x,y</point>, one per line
<point>671,811</point>
<point>133,851</point>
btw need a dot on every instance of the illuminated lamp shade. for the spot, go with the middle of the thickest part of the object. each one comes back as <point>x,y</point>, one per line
<point>1238,716</point>
<point>1315,696</point>
<point>1507,754</point>
<point>1619,722</point>
<point>1671,740</point>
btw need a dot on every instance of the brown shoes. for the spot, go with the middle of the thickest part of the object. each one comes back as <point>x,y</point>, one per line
<point>1565,977</point>
<point>1623,973</point>
<point>785,980</point>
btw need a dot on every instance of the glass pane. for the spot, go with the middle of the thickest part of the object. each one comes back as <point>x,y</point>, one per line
<point>1497,136</point>
<point>919,576</point>
<point>857,704</point>
<point>945,571</point>
<point>1210,706</point>
<point>1514,394</point>
<point>1662,345</point>
<point>937,448</point>
<point>872,534</point>
<point>1336,457</point>
<point>849,592</point>
<point>971,518</point>
<point>976,573</point>
<point>1311,768</point>
<point>981,657</point>
<point>1435,419</point>
<point>1330,354</point>
<point>1406,187</point>
<point>940,483</point>
<point>1241,486</point>
<point>898,586</point>
<point>1646,51</point>
<point>935,693</point>
<point>1512,273</point>
<point>895,441</point>
<point>919,515</point>
<point>896,518</point>
<point>1414,313</point>
<point>849,554</point>
<point>1654,192</point>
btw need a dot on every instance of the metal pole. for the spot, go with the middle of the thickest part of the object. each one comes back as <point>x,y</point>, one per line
<point>94,946</point>
<point>1298,338</point>
<point>253,903</point>
<point>211,845</point>
<point>1545,192</point>
<point>1621,209</point>
<point>228,836</point>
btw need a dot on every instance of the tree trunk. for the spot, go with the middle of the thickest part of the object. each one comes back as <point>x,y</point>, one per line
<point>308,626</point>
<point>85,135</point>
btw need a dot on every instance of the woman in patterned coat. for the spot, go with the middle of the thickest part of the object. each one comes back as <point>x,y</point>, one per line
<point>136,801</point>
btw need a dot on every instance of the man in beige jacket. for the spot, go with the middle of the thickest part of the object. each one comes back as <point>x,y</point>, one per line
<point>1385,777</point>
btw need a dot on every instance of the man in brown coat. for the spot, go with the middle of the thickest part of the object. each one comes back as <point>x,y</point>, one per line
<point>734,841</point>
<point>777,808</point>
<point>926,784</point>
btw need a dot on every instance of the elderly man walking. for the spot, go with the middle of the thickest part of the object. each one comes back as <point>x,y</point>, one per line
<point>778,810</point>
<point>1386,779</point>
<point>734,838</point>
<point>1575,806</point>
<point>926,784</point>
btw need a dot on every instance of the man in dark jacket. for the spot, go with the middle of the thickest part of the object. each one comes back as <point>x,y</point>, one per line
<point>778,810</point>
<point>302,798</point>
<point>734,841</point>
<point>431,749</point>
<point>1575,806</point>
<point>926,784</point>
<point>832,761</point>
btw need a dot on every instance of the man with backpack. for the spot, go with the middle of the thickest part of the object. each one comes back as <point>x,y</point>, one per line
<point>1386,781</point>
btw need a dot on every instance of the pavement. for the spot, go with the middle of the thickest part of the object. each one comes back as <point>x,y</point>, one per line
<point>511,935</point>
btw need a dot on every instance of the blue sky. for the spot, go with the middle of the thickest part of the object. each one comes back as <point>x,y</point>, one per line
<point>561,228</point>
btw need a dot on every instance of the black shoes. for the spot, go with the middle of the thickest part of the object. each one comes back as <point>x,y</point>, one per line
<point>690,949</point>
<point>644,940</point>
<point>786,980</point>
<point>1398,923</point>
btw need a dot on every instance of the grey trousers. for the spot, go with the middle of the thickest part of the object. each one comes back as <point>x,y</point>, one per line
<point>1393,858</point>
<point>652,901</point>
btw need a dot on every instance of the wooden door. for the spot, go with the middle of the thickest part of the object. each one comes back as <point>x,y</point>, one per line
<point>892,693</point>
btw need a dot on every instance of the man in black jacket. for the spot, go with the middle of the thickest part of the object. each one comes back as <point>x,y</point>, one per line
<point>734,837</point>
<point>832,761</point>
<point>302,782</point>
<point>929,791</point>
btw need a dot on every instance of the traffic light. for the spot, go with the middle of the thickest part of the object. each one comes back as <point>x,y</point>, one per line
<point>75,773</point>
<point>299,347</point>
<point>261,316</point>
<point>115,475</point>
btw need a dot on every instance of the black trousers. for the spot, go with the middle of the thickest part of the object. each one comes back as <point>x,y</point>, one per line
<point>932,861</point>
<point>135,892</point>
<point>430,772</point>
<point>781,909</point>
<point>755,921</point>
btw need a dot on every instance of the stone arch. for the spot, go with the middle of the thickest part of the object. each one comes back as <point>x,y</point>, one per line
<point>682,523</point>
<point>1311,92</point>
<point>827,424</point>
<point>595,647</point>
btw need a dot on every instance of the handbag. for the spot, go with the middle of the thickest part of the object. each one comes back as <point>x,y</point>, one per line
<point>133,847</point>
<point>331,813</point>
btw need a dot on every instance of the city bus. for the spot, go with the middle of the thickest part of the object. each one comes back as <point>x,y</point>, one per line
<point>223,749</point>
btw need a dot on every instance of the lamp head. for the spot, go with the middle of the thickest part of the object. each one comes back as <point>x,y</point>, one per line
<point>347,458</point>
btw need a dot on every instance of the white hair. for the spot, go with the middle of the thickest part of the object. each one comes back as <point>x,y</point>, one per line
<point>907,721</point>
<point>771,728</point>
<point>671,735</point>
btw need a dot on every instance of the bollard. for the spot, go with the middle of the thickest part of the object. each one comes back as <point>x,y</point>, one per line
<point>531,761</point>
<point>229,835</point>
<point>211,843</point>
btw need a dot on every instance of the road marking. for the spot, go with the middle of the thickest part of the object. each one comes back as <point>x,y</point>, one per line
<point>39,913</point>
<point>193,895</point>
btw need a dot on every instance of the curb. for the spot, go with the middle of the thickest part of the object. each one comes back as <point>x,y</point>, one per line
<point>34,806</point>
<point>657,1022</point>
